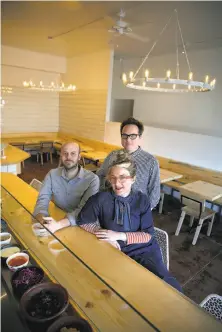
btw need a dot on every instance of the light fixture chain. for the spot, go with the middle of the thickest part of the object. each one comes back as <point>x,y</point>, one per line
<point>154,44</point>
<point>181,35</point>
<point>177,54</point>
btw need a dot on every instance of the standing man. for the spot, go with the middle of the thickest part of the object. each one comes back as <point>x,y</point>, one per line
<point>147,174</point>
<point>70,185</point>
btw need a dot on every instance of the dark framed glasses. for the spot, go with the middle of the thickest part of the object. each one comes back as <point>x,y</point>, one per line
<point>131,136</point>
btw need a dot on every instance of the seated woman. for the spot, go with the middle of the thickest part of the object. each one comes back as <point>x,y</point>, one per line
<point>123,218</point>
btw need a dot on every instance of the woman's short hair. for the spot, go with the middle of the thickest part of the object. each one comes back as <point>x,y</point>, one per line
<point>123,159</point>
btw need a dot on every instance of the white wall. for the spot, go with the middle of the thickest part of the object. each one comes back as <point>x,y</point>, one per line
<point>196,112</point>
<point>84,111</point>
<point>194,149</point>
<point>27,110</point>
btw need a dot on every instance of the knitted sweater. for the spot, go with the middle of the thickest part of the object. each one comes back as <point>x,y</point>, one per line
<point>147,174</point>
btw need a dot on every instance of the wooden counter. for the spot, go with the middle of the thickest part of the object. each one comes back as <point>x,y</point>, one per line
<point>13,159</point>
<point>153,300</point>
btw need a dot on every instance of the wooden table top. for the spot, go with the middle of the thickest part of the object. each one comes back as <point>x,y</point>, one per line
<point>143,290</point>
<point>166,176</point>
<point>13,155</point>
<point>205,190</point>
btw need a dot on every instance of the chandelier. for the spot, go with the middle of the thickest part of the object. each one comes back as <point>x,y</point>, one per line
<point>4,90</point>
<point>168,83</point>
<point>51,87</point>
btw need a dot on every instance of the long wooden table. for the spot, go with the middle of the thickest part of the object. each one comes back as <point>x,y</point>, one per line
<point>13,157</point>
<point>204,190</point>
<point>166,176</point>
<point>121,284</point>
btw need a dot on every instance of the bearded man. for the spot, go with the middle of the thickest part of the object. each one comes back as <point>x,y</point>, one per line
<point>70,185</point>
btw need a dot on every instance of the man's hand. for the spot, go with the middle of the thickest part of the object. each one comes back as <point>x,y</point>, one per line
<point>110,236</point>
<point>51,224</point>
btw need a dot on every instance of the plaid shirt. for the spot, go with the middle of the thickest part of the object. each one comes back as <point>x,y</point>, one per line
<point>147,174</point>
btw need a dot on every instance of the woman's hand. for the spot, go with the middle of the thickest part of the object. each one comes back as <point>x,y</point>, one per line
<point>51,224</point>
<point>115,244</point>
<point>107,235</point>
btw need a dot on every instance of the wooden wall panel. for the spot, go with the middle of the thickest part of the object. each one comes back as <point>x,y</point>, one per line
<point>83,113</point>
<point>30,111</point>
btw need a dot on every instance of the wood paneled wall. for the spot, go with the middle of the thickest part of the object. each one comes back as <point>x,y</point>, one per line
<point>83,113</point>
<point>30,111</point>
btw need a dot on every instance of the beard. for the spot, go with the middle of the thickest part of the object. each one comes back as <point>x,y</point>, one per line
<point>71,166</point>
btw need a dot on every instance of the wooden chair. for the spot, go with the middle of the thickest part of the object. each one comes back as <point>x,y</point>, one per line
<point>48,148</point>
<point>36,184</point>
<point>90,167</point>
<point>196,209</point>
<point>33,149</point>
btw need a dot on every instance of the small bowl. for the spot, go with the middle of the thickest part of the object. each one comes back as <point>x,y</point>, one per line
<point>35,295</point>
<point>16,267</point>
<point>39,230</point>
<point>25,278</point>
<point>70,322</point>
<point>56,247</point>
<point>5,238</point>
<point>8,248</point>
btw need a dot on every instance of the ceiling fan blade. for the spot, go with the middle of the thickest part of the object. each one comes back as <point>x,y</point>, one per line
<point>137,37</point>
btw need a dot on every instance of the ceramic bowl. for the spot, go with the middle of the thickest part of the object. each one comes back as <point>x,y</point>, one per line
<point>39,230</point>
<point>8,250</point>
<point>56,247</point>
<point>13,261</point>
<point>5,238</point>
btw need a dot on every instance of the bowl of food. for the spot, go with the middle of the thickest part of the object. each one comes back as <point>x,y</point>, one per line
<point>71,324</point>
<point>39,230</point>
<point>17,261</point>
<point>44,302</point>
<point>56,247</point>
<point>9,250</point>
<point>5,238</point>
<point>25,278</point>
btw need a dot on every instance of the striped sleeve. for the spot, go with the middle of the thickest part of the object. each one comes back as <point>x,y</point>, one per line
<point>137,237</point>
<point>91,228</point>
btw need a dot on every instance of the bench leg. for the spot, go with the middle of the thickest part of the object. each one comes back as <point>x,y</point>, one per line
<point>197,232</point>
<point>210,225</point>
<point>51,158</point>
<point>180,223</point>
<point>41,159</point>
<point>161,203</point>
<point>191,221</point>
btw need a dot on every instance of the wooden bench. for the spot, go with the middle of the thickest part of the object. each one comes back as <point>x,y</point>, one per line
<point>190,173</point>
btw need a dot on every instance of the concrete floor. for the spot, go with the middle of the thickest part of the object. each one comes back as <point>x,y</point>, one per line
<point>198,268</point>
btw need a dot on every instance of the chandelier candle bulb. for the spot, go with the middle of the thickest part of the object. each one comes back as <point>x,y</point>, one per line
<point>174,86</point>
<point>190,76</point>
<point>124,78</point>
<point>168,73</point>
<point>146,73</point>
<point>206,79</point>
<point>131,75</point>
<point>158,85</point>
<point>189,87</point>
<point>144,84</point>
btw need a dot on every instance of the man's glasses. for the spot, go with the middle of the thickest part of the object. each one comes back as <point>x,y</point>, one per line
<point>131,136</point>
<point>121,179</point>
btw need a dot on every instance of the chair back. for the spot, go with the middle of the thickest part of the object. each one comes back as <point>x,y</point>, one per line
<point>163,240</point>
<point>213,304</point>
<point>19,145</point>
<point>192,200</point>
<point>48,144</point>
<point>36,184</point>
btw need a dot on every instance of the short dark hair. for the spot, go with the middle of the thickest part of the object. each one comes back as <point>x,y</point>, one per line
<point>132,121</point>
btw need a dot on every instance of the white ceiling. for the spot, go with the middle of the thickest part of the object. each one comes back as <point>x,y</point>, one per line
<point>27,24</point>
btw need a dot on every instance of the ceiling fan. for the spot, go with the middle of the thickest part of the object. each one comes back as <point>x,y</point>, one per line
<point>121,28</point>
